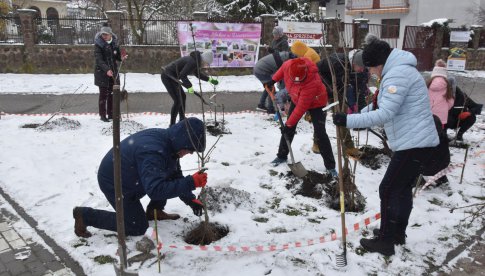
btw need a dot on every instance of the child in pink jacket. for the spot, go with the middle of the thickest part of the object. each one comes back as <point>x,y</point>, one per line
<point>440,94</point>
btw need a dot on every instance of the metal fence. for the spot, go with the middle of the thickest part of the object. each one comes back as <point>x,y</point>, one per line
<point>68,30</point>
<point>10,30</point>
<point>150,32</point>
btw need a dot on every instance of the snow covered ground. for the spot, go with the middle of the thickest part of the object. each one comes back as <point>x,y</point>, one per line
<point>49,172</point>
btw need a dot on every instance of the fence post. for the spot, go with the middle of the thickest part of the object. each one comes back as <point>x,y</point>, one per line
<point>200,16</point>
<point>114,20</point>
<point>476,29</point>
<point>268,25</point>
<point>360,30</point>
<point>332,31</point>
<point>438,43</point>
<point>28,27</point>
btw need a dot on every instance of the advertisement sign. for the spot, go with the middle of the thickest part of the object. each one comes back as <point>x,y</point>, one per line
<point>233,44</point>
<point>457,58</point>
<point>306,32</point>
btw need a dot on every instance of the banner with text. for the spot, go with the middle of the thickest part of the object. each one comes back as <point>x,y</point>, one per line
<point>233,44</point>
<point>458,45</point>
<point>307,32</point>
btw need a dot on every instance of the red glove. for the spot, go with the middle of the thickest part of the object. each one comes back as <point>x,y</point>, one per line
<point>200,179</point>
<point>464,115</point>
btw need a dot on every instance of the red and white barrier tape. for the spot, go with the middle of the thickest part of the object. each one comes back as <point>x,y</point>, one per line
<point>124,115</point>
<point>441,173</point>
<point>262,248</point>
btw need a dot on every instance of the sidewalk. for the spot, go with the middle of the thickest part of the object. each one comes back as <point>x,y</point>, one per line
<point>19,253</point>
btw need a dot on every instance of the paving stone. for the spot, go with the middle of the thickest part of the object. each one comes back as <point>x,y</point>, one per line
<point>4,227</point>
<point>5,273</point>
<point>10,235</point>
<point>16,268</point>
<point>7,257</point>
<point>18,243</point>
<point>3,245</point>
<point>37,268</point>
<point>28,273</point>
<point>54,266</point>
<point>45,256</point>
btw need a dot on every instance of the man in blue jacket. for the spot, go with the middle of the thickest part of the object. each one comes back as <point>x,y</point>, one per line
<point>405,111</point>
<point>149,166</point>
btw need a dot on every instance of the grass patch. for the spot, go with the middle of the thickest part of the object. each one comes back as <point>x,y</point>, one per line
<point>292,212</point>
<point>275,203</point>
<point>261,219</point>
<point>104,259</point>
<point>436,201</point>
<point>273,173</point>
<point>278,230</point>
<point>265,186</point>
<point>225,164</point>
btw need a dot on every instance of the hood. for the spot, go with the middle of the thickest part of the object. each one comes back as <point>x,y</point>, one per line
<point>98,40</point>
<point>188,134</point>
<point>197,56</point>
<point>299,48</point>
<point>399,57</point>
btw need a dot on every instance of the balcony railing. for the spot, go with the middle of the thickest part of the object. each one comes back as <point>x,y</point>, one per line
<point>376,4</point>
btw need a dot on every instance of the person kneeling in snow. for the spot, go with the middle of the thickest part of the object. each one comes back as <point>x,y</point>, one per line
<point>307,93</point>
<point>150,166</point>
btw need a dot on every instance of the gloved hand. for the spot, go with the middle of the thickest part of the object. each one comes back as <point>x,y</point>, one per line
<point>464,115</point>
<point>190,90</point>
<point>196,206</point>
<point>308,117</point>
<point>270,84</point>
<point>200,179</point>
<point>285,130</point>
<point>340,119</point>
<point>213,81</point>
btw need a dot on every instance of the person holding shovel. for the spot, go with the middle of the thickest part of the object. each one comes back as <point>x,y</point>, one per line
<point>307,93</point>
<point>106,53</point>
<point>149,166</point>
<point>404,110</point>
<point>175,75</point>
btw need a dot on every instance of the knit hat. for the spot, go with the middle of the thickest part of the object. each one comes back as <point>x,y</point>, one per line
<point>299,48</point>
<point>106,30</point>
<point>375,52</point>
<point>355,57</point>
<point>439,72</point>
<point>207,57</point>
<point>298,70</point>
<point>277,31</point>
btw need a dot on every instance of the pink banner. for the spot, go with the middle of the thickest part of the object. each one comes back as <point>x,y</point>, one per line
<point>232,44</point>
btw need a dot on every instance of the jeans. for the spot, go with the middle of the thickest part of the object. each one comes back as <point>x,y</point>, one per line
<point>318,121</point>
<point>395,191</point>
<point>265,97</point>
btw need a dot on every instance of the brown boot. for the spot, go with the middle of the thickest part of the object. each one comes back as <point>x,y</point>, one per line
<point>354,153</point>
<point>79,227</point>
<point>161,215</point>
<point>315,148</point>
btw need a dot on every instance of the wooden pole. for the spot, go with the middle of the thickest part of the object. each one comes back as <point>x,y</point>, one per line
<point>156,237</point>
<point>464,163</point>
<point>120,220</point>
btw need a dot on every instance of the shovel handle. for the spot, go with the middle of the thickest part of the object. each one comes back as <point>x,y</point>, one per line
<point>271,93</point>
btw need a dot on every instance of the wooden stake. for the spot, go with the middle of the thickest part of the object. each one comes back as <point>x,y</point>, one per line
<point>464,163</point>
<point>156,238</point>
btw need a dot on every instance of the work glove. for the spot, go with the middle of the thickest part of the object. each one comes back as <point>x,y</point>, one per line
<point>270,84</point>
<point>200,179</point>
<point>196,206</point>
<point>190,90</point>
<point>213,81</point>
<point>285,130</point>
<point>464,115</point>
<point>340,119</point>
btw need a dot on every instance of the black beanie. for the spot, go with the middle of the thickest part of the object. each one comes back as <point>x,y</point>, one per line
<point>375,52</point>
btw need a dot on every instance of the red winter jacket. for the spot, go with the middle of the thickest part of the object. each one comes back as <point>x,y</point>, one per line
<point>308,94</point>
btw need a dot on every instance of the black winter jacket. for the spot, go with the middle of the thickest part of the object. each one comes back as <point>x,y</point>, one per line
<point>106,56</point>
<point>183,67</point>
<point>279,45</point>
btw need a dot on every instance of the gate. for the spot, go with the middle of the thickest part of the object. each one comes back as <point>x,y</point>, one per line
<point>420,41</point>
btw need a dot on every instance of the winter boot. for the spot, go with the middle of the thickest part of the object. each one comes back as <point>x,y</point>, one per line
<point>161,215</point>
<point>79,228</point>
<point>442,180</point>
<point>397,239</point>
<point>385,248</point>
<point>261,108</point>
<point>278,161</point>
<point>315,148</point>
<point>104,119</point>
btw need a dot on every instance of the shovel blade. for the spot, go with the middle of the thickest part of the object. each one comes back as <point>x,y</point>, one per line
<point>298,169</point>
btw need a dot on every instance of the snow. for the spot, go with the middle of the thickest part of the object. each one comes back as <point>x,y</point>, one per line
<point>49,172</point>
<point>439,21</point>
<point>135,82</point>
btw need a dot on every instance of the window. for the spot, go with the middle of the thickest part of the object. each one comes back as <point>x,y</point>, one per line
<point>390,28</point>
<point>340,2</point>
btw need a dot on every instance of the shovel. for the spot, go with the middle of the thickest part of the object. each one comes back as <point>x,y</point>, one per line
<point>296,168</point>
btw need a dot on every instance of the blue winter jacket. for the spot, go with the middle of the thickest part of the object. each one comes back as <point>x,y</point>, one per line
<point>150,165</point>
<point>404,107</point>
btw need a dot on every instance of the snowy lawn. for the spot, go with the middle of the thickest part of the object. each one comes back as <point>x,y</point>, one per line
<point>49,172</point>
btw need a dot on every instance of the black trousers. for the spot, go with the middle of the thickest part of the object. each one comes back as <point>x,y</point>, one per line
<point>395,190</point>
<point>318,121</point>
<point>178,96</point>
<point>464,124</point>
<point>106,101</point>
